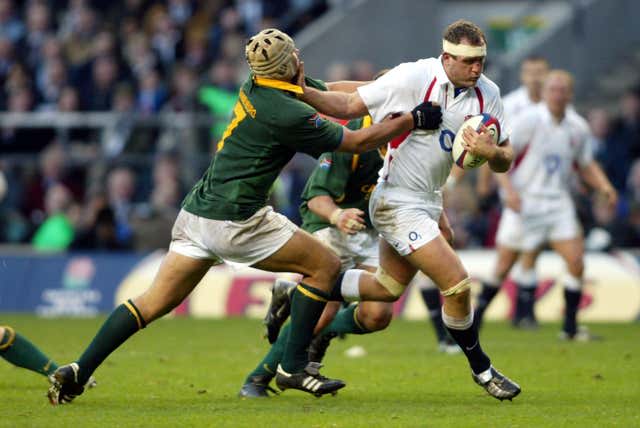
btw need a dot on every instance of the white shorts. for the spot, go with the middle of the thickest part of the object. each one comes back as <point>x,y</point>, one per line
<point>529,232</point>
<point>406,220</point>
<point>358,249</point>
<point>246,242</point>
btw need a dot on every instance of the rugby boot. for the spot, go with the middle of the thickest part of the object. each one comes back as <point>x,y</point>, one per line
<point>496,384</point>
<point>257,387</point>
<point>279,308</point>
<point>309,380</point>
<point>581,335</point>
<point>64,384</point>
<point>318,346</point>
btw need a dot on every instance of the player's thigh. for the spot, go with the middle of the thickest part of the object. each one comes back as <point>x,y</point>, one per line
<point>177,277</point>
<point>394,264</point>
<point>305,255</point>
<point>438,261</point>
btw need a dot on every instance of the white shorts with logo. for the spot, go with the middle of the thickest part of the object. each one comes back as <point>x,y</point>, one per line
<point>406,220</point>
<point>529,232</point>
<point>246,242</point>
<point>358,249</point>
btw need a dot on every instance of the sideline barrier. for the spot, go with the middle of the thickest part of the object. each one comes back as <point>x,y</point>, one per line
<point>87,284</point>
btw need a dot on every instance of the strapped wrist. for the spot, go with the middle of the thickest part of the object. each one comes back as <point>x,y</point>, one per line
<point>335,216</point>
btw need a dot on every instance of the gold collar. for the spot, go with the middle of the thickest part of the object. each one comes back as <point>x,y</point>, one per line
<point>277,84</point>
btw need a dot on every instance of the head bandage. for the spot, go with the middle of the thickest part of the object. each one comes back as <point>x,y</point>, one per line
<point>270,54</point>
<point>463,50</point>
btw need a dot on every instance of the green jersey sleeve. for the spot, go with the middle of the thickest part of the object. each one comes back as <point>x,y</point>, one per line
<point>310,133</point>
<point>329,177</point>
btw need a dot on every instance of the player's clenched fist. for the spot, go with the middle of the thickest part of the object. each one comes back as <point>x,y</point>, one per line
<point>427,116</point>
<point>349,220</point>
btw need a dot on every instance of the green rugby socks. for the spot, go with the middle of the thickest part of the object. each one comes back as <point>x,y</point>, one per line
<point>20,352</point>
<point>269,364</point>
<point>307,304</point>
<point>123,322</point>
<point>346,322</point>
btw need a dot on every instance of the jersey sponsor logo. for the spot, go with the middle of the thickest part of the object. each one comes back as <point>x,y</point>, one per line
<point>413,236</point>
<point>325,163</point>
<point>446,140</point>
<point>316,120</point>
<point>552,163</point>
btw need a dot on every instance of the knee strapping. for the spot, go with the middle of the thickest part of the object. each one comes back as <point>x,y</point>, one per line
<point>8,338</point>
<point>459,288</point>
<point>395,288</point>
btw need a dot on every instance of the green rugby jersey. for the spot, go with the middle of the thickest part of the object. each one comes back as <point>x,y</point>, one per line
<point>269,126</point>
<point>348,178</point>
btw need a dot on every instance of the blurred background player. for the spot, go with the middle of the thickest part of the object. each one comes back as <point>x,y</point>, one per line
<point>335,210</point>
<point>549,139</point>
<point>406,204</point>
<point>225,216</point>
<point>533,71</point>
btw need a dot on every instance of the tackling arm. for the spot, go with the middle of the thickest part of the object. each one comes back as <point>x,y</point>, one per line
<point>345,85</point>
<point>376,135</point>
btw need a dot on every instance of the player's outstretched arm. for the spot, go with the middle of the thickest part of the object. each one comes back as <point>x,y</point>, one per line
<point>593,175</point>
<point>341,105</point>
<point>345,85</point>
<point>376,135</point>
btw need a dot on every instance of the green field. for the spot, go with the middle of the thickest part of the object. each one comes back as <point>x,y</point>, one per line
<point>186,372</point>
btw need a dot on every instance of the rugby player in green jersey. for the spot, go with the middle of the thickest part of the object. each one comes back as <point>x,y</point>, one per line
<point>226,217</point>
<point>335,210</point>
<point>19,351</point>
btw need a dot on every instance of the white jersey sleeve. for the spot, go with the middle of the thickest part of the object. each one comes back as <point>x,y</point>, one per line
<point>395,92</point>
<point>584,154</point>
<point>523,129</point>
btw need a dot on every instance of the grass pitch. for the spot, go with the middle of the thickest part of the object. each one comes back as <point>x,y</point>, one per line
<point>186,373</point>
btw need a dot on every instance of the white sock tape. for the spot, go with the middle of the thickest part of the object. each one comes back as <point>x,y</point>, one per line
<point>350,286</point>
<point>571,282</point>
<point>457,323</point>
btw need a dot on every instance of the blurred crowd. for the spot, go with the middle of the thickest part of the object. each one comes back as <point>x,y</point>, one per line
<point>140,57</point>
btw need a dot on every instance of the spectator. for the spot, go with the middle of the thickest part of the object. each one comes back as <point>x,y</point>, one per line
<point>57,231</point>
<point>121,183</point>
<point>10,26</point>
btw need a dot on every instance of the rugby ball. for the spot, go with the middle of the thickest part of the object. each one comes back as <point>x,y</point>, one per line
<point>461,157</point>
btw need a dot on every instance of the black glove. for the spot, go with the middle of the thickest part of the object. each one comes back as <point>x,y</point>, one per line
<point>426,116</point>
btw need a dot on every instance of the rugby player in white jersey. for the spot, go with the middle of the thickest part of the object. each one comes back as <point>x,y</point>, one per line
<point>550,140</point>
<point>533,71</point>
<point>407,202</point>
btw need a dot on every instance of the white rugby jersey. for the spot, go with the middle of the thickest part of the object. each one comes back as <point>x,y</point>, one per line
<point>545,153</point>
<point>421,160</point>
<point>515,102</point>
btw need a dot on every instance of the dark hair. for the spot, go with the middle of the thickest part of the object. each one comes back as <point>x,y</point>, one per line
<point>464,30</point>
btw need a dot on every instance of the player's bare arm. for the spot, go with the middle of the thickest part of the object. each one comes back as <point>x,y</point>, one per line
<point>348,86</point>
<point>481,144</point>
<point>348,220</point>
<point>593,175</point>
<point>363,140</point>
<point>341,104</point>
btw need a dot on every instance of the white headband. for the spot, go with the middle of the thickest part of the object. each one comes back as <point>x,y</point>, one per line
<point>463,50</point>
